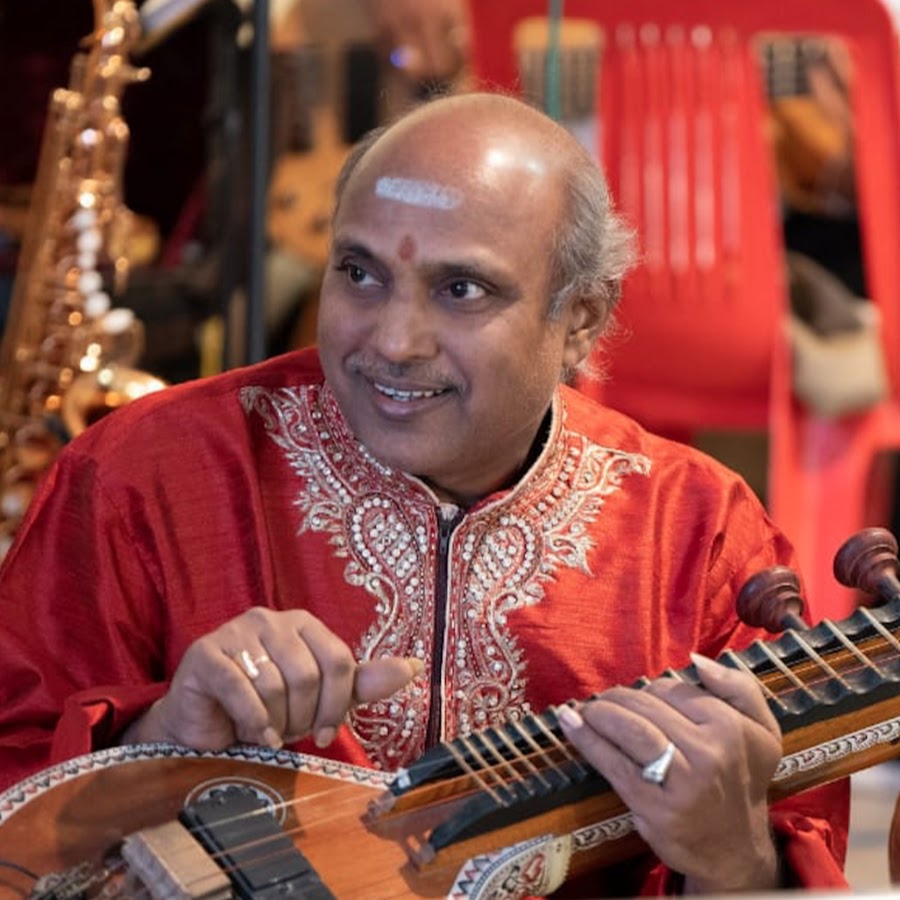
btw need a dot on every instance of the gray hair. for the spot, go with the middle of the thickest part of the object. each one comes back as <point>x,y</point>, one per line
<point>354,158</point>
<point>594,247</point>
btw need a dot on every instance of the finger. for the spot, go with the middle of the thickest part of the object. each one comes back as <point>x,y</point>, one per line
<point>592,745</point>
<point>381,678</point>
<point>641,721</point>
<point>621,763</point>
<point>697,703</point>
<point>322,690</point>
<point>317,671</point>
<point>264,680</point>
<point>629,720</point>
<point>262,670</point>
<point>737,689</point>
<point>365,683</point>
<point>335,695</point>
<point>216,677</point>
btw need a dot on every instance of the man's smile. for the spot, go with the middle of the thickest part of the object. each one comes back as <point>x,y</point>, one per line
<point>405,396</point>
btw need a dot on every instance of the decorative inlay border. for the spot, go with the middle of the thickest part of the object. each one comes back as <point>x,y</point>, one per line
<point>18,795</point>
<point>802,761</point>
<point>837,749</point>
<point>532,868</point>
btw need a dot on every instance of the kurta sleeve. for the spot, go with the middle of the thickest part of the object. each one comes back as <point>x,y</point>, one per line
<point>67,625</point>
<point>811,831</point>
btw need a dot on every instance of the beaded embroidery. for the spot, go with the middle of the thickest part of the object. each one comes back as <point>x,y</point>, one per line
<point>386,526</point>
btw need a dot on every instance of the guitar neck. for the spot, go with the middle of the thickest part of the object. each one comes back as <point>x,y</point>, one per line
<point>832,688</point>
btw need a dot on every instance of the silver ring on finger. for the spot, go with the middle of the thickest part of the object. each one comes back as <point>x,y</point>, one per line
<point>251,664</point>
<point>655,772</point>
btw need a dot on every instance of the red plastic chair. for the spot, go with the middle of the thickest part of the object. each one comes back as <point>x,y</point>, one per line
<point>681,101</point>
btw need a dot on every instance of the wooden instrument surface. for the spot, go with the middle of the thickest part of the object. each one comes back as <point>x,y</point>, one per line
<point>74,814</point>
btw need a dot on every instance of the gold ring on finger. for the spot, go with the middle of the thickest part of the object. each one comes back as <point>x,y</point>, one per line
<point>251,665</point>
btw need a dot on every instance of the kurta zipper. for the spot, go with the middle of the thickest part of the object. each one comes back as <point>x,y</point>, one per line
<point>449,517</point>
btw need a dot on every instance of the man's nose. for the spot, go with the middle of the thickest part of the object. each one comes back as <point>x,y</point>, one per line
<point>406,327</point>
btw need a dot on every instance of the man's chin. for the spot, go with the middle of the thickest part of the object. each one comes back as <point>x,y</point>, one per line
<point>406,456</point>
<point>401,459</point>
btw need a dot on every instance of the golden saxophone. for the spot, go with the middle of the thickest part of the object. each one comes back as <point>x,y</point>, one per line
<point>66,355</point>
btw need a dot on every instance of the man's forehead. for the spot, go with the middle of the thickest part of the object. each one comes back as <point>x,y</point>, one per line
<point>433,165</point>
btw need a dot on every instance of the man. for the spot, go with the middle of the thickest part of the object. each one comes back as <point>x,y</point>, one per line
<point>419,532</point>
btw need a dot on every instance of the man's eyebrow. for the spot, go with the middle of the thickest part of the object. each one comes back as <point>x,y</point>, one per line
<point>455,268</point>
<point>348,245</point>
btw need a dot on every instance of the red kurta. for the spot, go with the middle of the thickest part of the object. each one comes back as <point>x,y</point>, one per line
<point>616,555</point>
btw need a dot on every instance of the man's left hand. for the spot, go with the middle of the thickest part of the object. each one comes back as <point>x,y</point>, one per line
<point>708,818</point>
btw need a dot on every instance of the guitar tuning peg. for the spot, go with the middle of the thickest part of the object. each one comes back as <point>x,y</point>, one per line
<point>868,562</point>
<point>771,600</point>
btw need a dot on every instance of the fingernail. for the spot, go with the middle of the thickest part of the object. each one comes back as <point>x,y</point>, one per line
<point>704,663</point>
<point>324,736</point>
<point>271,738</point>
<point>569,717</point>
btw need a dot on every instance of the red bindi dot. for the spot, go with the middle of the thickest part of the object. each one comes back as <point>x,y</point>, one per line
<point>407,248</point>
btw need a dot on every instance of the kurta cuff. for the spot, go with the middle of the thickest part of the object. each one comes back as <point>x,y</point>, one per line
<point>96,718</point>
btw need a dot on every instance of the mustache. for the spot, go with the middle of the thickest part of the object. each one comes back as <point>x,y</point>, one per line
<point>421,373</point>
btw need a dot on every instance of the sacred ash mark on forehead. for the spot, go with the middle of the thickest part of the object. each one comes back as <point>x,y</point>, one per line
<point>417,192</point>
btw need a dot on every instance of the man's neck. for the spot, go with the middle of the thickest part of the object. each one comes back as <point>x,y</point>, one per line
<point>468,500</point>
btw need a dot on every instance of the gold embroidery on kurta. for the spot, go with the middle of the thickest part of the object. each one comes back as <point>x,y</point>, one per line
<point>386,526</point>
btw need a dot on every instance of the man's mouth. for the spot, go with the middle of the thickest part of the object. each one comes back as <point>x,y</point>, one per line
<point>406,396</point>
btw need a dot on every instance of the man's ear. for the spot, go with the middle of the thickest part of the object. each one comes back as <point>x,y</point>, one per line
<point>585,320</point>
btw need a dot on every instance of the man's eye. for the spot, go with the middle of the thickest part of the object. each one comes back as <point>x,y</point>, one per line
<point>356,274</point>
<point>463,289</point>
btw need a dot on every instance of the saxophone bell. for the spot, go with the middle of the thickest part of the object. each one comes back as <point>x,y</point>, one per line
<point>108,378</point>
<point>92,395</point>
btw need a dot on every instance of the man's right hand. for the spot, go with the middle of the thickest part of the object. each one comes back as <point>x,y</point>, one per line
<point>267,677</point>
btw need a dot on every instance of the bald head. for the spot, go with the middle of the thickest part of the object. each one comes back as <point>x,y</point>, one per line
<point>495,120</point>
<point>497,135</point>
